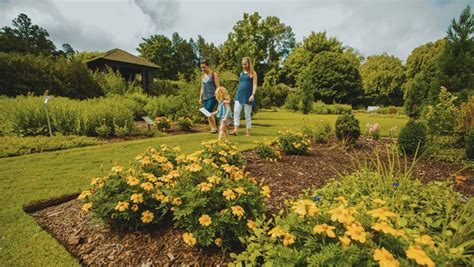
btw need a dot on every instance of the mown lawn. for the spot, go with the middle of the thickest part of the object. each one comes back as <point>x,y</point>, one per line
<point>41,176</point>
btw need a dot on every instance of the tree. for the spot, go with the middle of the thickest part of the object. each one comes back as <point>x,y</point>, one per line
<point>457,61</point>
<point>25,37</point>
<point>331,76</point>
<point>382,79</point>
<point>415,95</point>
<point>267,42</point>
<point>185,58</point>
<point>304,52</point>
<point>207,51</point>
<point>159,50</point>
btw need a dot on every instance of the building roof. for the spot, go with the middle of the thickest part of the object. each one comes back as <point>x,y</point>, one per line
<point>120,55</point>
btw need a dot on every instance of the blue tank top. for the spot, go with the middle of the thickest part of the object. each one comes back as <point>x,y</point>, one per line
<point>245,89</point>
<point>223,111</point>
<point>209,88</point>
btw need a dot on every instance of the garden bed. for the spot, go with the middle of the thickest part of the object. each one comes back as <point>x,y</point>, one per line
<point>95,244</point>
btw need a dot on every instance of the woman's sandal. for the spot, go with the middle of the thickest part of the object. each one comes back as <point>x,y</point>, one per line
<point>233,133</point>
<point>213,131</point>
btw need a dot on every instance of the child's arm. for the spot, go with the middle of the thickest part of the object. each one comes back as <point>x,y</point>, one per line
<point>227,108</point>
<point>215,112</point>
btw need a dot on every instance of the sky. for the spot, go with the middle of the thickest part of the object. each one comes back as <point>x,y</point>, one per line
<point>373,27</point>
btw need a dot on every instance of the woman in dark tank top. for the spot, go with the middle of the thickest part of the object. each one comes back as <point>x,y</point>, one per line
<point>245,96</point>
<point>209,83</point>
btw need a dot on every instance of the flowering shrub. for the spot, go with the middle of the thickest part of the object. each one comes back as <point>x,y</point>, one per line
<point>373,130</point>
<point>216,206</point>
<point>185,124</point>
<point>163,123</point>
<point>137,197</point>
<point>221,153</point>
<point>268,150</point>
<point>365,219</point>
<point>293,143</point>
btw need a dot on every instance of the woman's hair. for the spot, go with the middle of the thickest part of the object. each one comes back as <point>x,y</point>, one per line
<point>221,93</point>
<point>249,62</point>
<point>205,62</point>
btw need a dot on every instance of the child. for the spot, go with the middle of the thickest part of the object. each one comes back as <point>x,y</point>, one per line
<point>223,111</point>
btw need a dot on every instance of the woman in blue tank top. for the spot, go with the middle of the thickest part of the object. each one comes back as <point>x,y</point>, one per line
<point>245,96</point>
<point>209,83</point>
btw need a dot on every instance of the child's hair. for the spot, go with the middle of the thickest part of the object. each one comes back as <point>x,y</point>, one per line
<point>221,94</point>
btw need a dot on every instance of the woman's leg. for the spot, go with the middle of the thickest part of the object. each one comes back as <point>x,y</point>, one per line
<point>237,110</point>
<point>248,118</point>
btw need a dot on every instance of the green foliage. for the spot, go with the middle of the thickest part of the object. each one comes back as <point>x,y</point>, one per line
<point>185,124</point>
<point>465,117</point>
<point>412,137</point>
<point>441,118</point>
<point>319,107</point>
<point>390,110</point>
<point>22,74</point>
<point>159,50</point>
<point>25,37</point>
<point>293,143</point>
<point>416,95</point>
<point>319,134</point>
<point>272,96</point>
<point>292,101</point>
<point>163,87</point>
<point>349,219</point>
<point>25,115</point>
<point>347,128</point>
<point>268,150</point>
<point>163,123</point>
<point>331,77</point>
<point>457,61</point>
<point>470,144</point>
<point>382,79</point>
<point>112,83</point>
<point>11,146</point>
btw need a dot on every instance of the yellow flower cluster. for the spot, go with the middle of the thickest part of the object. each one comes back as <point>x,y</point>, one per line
<point>237,211</point>
<point>189,239</point>
<point>278,232</point>
<point>385,258</point>
<point>205,220</point>
<point>147,216</point>
<point>305,207</point>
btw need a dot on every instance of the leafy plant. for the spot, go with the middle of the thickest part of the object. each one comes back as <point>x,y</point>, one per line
<point>185,124</point>
<point>347,128</point>
<point>470,144</point>
<point>293,143</point>
<point>163,123</point>
<point>412,137</point>
<point>441,118</point>
<point>268,150</point>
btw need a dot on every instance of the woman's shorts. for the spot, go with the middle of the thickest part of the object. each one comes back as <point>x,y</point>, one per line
<point>210,104</point>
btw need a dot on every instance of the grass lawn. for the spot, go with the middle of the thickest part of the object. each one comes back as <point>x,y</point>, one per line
<point>41,176</point>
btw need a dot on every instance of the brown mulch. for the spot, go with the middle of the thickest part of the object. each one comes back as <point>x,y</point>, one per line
<point>96,244</point>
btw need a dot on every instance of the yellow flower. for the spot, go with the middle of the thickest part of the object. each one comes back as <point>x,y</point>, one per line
<point>229,194</point>
<point>87,206</point>
<point>94,181</point>
<point>346,241</point>
<point>205,220</point>
<point>228,168</point>
<point>137,198</point>
<point>223,212</point>
<point>121,206</point>
<point>100,183</point>
<point>288,239</point>
<point>341,215</point>
<point>305,207</point>
<point>159,159</point>
<point>150,177</point>
<point>189,239</point>
<point>117,168</point>
<point>204,187</point>
<point>194,167</point>
<point>165,199</point>
<point>237,175</point>
<point>378,201</point>
<point>145,161</point>
<point>147,216</point>
<point>181,158</point>
<point>240,190</point>
<point>276,232</point>
<point>384,227</point>
<point>134,207</point>
<point>147,186</point>
<point>318,229</point>
<point>84,194</point>
<point>385,258</point>
<point>356,232</point>
<point>425,240</point>
<point>381,213</point>
<point>177,201</point>
<point>214,179</point>
<point>223,159</point>
<point>238,211</point>
<point>417,254</point>
<point>132,180</point>
<point>342,199</point>
<point>218,242</point>
<point>252,180</point>
<point>223,153</point>
<point>168,166</point>
<point>159,196</point>
<point>251,224</point>
<point>265,191</point>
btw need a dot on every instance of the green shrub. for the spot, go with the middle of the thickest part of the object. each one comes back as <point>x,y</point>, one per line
<point>292,101</point>
<point>16,146</point>
<point>293,143</point>
<point>163,123</point>
<point>103,130</point>
<point>222,154</point>
<point>272,96</point>
<point>351,220</point>
<point>347,128</point>
<point>163,87</point>
<point>267,150</point>
<point>185,124</point>
<point>319,107</point>
<point>412,137</point>
<point>319,134</point>
<point>441,118</point>
<point>470,144</point>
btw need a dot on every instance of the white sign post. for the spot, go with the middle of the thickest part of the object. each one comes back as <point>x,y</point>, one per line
<point>46,99</point>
